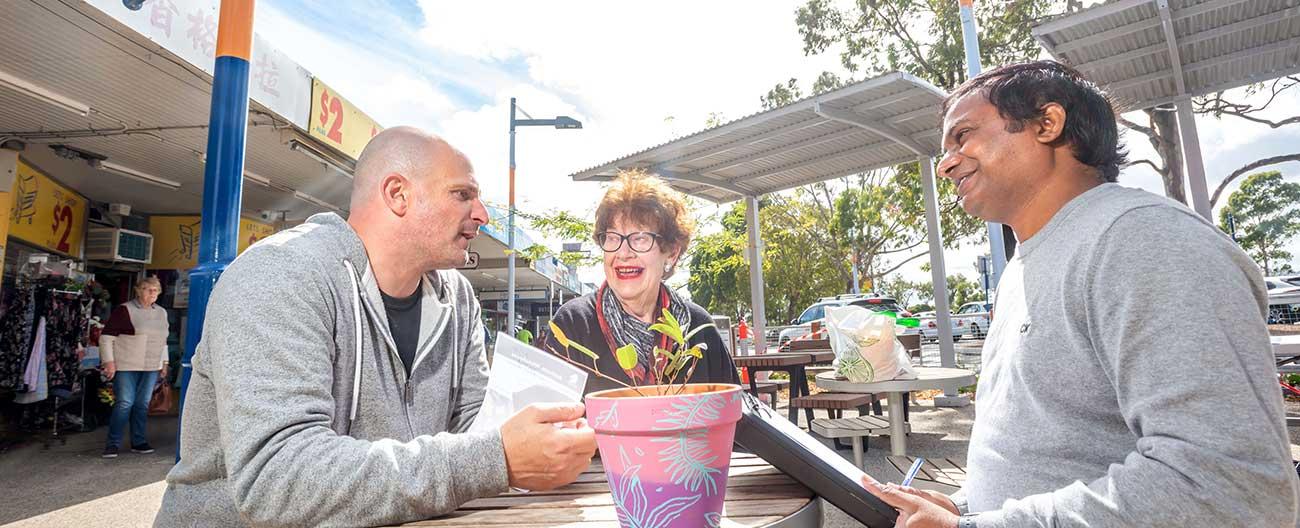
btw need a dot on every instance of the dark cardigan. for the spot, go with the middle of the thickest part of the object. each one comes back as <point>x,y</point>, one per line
<point>577,319</point>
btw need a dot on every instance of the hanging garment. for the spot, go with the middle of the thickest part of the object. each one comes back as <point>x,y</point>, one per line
<point>36,375</point>
<point>15,337</point>
<point>65,334</point>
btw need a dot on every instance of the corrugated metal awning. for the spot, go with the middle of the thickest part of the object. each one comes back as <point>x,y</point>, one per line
<point>881,122</point>
<point>1152,52</point>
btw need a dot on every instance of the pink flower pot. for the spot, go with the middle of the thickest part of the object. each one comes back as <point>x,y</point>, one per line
<point>666,456</point>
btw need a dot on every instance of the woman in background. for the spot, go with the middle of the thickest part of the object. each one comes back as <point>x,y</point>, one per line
<point>133,349</point>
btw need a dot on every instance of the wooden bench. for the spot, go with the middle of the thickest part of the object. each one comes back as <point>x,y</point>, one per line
<point>856,428</point>
<point>944,475</point>
<point>835,403</point>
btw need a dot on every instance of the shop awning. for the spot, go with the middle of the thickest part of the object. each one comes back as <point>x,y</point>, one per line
<point>148,111</point>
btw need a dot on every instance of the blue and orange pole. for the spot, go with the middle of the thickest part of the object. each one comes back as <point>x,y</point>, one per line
<point>223,174</point>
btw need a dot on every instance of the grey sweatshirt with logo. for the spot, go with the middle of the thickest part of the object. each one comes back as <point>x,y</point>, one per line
<point>299,411</point>
<point>1128,378</point>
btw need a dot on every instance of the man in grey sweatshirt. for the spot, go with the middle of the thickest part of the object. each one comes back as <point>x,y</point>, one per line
<point>1128,378</point>
<point>342,362</point>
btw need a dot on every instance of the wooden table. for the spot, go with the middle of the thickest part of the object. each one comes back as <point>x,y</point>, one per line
<point>819,349</point>
<point>927,378</point>
<point>792,364</point>
<point>757,495</point>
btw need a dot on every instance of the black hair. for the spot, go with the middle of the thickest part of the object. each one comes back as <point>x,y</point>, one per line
<point>1020,91</point>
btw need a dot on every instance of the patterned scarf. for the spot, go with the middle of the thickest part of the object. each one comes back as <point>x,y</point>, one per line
<point>626,328</point>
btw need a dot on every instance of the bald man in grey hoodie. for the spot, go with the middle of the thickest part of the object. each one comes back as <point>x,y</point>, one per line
<point>342,362</point>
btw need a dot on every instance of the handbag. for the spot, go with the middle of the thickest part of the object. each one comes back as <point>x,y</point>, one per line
<point>161,402</point>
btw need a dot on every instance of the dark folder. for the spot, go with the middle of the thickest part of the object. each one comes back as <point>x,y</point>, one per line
<point>766,433</point>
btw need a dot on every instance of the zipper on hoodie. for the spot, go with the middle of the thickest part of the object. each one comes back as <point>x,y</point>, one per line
<point>408,395</point>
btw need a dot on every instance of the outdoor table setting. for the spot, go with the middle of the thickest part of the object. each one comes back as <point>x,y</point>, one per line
<point>927,378</point>
<point>790,363</point>
<point>757,494</point>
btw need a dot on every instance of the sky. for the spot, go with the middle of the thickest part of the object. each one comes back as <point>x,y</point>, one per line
<point>636,74</point>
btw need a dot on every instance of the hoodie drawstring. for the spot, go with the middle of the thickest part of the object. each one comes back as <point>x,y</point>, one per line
<point>356,318</point>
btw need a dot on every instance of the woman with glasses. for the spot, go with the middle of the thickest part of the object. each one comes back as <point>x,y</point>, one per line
<point>643,229</point>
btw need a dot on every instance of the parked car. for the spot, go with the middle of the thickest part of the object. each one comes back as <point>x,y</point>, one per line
<point>1283,300</point>
<point>802,325</point>
<point>976,317</point>
<point>930,326</point>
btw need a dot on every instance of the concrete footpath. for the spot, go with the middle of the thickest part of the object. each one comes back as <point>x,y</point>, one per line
<point>70,485</point>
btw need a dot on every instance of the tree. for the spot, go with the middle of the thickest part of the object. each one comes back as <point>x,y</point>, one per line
<point>1216,105</point>
<point>902,290</point>
<point>962,290</point>
<point>1265,215</point>
<point>877,36</point>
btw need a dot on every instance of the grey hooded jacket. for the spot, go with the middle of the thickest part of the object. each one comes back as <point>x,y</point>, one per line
<point>299,411</point>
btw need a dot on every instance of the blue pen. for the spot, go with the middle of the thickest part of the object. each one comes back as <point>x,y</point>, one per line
<point>911,473</point>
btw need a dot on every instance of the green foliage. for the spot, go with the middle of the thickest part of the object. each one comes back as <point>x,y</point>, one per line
<point>680,357</point>
<point>1266,211</point>
<point>814,236</point>
<point>962,290</point>
<point>878,36</point>
<point>782,94</point>
<point>902,290</point>
<point>566,226</point>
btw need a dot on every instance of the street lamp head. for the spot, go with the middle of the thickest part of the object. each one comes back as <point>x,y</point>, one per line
<point>566,122</point>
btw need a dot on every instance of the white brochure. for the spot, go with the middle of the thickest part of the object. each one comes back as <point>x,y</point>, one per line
<point>522,375</point>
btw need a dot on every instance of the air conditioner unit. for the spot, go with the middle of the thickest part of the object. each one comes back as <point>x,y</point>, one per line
<point>119,245</point>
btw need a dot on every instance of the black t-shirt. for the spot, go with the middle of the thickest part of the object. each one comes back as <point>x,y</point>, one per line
<point>404,323</point>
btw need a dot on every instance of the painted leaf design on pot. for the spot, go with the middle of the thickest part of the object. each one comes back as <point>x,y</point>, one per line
<point>692,412</point>
<point>629,496</point>
<point>714,519</point>
<point>688,457</point>
<point>630,500</point>
<point>664,514</point>
<point>687,454</point>
<point>609,417</point>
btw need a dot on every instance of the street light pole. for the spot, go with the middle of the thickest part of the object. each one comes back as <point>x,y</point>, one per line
<point>510,236</point>
<point>560,122</point>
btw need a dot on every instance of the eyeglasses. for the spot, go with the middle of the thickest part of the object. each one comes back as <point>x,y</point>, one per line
<point>640,242</point>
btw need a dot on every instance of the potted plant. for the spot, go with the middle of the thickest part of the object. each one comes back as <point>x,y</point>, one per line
<point>666,448</point>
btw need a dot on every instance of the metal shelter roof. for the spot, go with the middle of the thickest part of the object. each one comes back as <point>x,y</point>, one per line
<point>1151,52</point>
<point>880,122</point>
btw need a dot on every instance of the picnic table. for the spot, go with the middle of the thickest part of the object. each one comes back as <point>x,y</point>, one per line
<point>757,495</point>
<point>927,378</point>
<point>792,364</point>
<point>819,349</point>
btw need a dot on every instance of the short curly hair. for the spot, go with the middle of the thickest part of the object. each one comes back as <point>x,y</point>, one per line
<point>646,199</point>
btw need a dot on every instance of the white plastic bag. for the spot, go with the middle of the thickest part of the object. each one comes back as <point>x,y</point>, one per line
<point>864,345</point>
